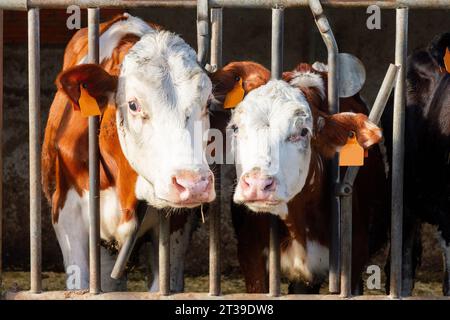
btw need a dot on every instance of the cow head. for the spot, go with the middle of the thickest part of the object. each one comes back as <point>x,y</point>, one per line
<point>161,98</point>
<point>277,127</point>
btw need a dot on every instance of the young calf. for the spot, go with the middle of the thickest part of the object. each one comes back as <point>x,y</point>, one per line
<point>150,91</point>
<point>283,137</point>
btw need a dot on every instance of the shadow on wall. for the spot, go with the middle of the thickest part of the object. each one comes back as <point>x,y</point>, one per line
<point>246,37</point>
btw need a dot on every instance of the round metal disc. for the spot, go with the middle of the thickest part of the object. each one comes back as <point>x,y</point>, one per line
<point>352,75</point>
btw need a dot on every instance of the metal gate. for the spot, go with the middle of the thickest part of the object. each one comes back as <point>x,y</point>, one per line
<point>209,35</point>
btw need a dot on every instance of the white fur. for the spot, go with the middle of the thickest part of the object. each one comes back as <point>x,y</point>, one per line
<point>296,262</point>
<point>72,231</point>
<point>309,80</point>
<point>266,118</point>
<point>320,66</point>
<point>161,73</point>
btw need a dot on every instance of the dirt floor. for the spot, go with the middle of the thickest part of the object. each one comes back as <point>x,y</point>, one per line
<point>429,275</point>
<point>19,281</point>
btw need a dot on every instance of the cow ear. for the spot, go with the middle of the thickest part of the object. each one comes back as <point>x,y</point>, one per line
<point>252,75</point>
<point>439,50</point>
<point>332,132</point>
<point>93,78</point>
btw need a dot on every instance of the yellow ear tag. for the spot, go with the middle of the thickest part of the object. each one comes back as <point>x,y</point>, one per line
<point>88,104</point>
<point>351,154</point>
<point>234,96</point>
<point>447,60</point>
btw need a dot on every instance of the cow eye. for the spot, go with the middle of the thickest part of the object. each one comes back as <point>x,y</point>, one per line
<point>234,128</point>
<point>134,106</point>
<point>304,132</point>
<point>299,136</point>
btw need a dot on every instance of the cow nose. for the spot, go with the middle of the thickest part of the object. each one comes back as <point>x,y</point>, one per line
<point>257,186</point>
<point>191,186</point>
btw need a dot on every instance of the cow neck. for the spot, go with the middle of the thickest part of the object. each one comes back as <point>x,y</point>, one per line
<point>308,209</point>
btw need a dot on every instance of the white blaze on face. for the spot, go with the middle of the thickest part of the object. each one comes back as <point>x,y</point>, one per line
<point>162,98</point>
<point>273,128</point>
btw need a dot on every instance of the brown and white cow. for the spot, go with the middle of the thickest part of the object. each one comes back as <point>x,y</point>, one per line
<point>283,137</point>
<point>153,96</point>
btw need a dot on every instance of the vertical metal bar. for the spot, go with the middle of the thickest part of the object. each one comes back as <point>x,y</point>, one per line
<point>94,165</point>
<point>346,243</point>
<point>216,37</point>
<point>164,254</point>
<point>34,87</point>
<point>1,146</point>
<point>333,105</point>
<point>216,208</point>
<point>202,31</point>
<point>277,42</point>
<point>398,133</point>
<point>276,70</point>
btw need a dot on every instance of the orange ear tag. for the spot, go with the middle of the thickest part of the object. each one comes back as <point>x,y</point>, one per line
<point>88,104</point>
<point>235,96</point>
<point>447,60</point>
<point>351,154</point>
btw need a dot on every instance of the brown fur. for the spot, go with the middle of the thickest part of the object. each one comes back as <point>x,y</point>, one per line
<point>65,148</point>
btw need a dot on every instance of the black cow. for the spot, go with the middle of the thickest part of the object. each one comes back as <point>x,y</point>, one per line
<point>427,158</point>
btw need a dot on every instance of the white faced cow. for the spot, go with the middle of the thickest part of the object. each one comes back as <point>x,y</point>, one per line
<point>151,92</point>
<point>283,137</point>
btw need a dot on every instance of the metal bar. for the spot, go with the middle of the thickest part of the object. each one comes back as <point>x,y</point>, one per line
<point>202,31</point>
<point>94,165</point>
<point>34,87</point>
<point>346,243</point>
<point>216,207</point>
<point>127,248</point>
<point>84,4</point>
<point>276,71</point>
<point>333,105</point>
<point>216,37</point>
<point>1,146</point>
<point>346,188</point>
<point>383,94</point>
<point>277,42</point>
<point>164,253</point>
<point>398,139</point>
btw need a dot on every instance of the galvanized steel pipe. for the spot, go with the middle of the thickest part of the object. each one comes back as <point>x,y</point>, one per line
<point>216,207</point>
<point>94,165</point>
<point>276,71</point>
<point>62,4</point>
<point>34,86</point>
<point>164,253</point>
<point>333,107</point>
<point>398,143</point>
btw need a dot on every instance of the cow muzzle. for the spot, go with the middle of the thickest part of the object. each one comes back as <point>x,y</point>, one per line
<point>191,188</point>
<point>258,187</point>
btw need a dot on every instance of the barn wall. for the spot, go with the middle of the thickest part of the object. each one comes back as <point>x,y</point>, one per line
<point>246,36</point>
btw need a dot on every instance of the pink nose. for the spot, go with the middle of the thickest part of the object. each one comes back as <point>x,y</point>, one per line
<point>257,186</point>
<point>191,187</point>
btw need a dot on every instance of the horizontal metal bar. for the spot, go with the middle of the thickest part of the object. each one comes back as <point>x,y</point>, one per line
<point>62,4</point>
